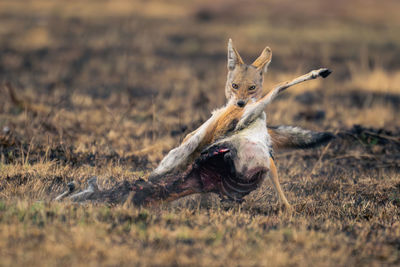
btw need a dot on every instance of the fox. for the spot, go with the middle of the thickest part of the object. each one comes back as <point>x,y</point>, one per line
<point>230,154</point>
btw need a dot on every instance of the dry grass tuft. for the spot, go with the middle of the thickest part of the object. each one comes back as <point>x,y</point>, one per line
<point>106,88</point>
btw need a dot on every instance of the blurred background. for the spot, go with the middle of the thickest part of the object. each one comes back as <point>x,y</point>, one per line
<point>130,76</point>
<point>108,87</point>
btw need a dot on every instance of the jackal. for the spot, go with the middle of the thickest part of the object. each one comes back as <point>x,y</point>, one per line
<point>245,83</point>
<point>231,153</point>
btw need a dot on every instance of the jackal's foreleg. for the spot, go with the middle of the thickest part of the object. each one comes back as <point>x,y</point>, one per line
<point>275,182</point>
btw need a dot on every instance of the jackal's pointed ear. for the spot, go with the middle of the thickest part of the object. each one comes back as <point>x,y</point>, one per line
<point>233,56</point>
<point>262,62</point>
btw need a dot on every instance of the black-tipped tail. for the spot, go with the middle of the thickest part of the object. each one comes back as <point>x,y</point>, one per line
<point>286,137</point>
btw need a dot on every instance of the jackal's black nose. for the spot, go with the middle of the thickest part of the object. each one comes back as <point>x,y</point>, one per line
<point>240,103</point>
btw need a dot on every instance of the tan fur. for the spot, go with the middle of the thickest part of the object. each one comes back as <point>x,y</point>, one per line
<point>278,141</point>
<point>264,59</point>
<point>221,126</point>
<point>275,182</point>
<point>240,122</point>
<point>240,126</point>
<point>244,76</point>
<point>290,137</point>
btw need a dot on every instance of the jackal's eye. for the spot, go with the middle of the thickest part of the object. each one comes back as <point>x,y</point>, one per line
<point>252,87</point>
<point>235,86</point>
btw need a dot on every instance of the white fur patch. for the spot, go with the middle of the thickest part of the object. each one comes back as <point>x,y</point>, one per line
<point>178,156</point>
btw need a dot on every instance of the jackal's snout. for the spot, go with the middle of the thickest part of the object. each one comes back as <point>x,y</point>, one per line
<point>241,103</point>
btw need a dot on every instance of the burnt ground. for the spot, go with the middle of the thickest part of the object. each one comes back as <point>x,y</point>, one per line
<point>108,88</point>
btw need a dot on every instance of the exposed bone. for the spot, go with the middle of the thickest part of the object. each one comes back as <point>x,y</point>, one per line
<point>70,190</point>
<point>89,191</point>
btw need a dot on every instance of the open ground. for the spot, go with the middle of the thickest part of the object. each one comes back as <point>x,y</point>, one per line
<point>107,88</point>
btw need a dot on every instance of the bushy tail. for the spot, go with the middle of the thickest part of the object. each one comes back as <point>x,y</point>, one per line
<point>284,137</point>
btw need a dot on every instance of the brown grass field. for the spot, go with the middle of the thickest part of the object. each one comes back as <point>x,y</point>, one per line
<point>107,88</point>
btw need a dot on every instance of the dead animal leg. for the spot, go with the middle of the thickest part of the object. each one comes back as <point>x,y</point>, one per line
<point>142,192</point>
<point>167,188</point>
<point>275,182</point>
<point>204,175</point>
<point>69,191</point>
<point>83,195</point>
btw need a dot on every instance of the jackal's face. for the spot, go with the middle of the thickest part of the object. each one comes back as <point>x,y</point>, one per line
<point>244,82</point>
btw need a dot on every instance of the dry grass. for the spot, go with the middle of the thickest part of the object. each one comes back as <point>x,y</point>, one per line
<point>108,87</point>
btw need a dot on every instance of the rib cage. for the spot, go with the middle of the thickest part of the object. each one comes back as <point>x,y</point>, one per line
<point>213,171</point>
<point>216,166</point>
